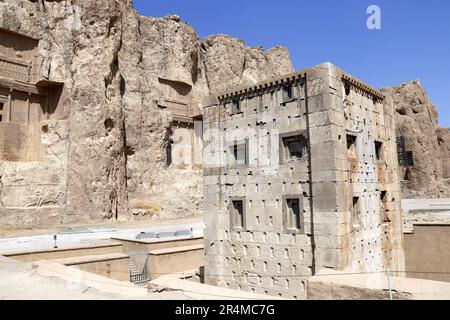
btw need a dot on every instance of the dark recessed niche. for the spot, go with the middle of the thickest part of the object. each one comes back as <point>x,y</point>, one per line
<point>347,89</point>
<point>109,124</point>
<point>129,151</point>
<point>122,86</point>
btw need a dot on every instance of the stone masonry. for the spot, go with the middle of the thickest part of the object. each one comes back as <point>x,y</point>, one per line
<point>300,174</point>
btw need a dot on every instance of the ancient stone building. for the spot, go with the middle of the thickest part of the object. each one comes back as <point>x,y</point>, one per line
<point>300,175</point>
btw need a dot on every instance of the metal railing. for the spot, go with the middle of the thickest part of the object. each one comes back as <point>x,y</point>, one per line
<point>138,267</point>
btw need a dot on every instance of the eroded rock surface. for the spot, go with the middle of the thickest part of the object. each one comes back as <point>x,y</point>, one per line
<point>417,121</point>
<point>229,63</point>
<point>106,156</point>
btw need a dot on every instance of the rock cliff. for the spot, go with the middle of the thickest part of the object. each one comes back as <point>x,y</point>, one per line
<point>417,121</point>
<point>106,157</point>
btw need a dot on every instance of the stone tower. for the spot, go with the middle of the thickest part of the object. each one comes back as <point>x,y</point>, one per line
<point>300,175</point>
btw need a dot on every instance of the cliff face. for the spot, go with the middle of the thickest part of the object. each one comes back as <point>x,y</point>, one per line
<point>417,120</point>
<point>229,63</point>
<point>105,158</point>
<point>167,48</point>
<point>85,179</point>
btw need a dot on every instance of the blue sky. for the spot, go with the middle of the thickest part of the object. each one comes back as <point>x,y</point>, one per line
<point>414,42</point>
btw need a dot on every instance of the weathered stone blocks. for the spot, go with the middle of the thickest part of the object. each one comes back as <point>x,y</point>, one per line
<point>338,191</point>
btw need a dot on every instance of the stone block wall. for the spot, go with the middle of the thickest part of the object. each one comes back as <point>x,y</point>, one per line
<point>254,258</point>
<point>340,107</point>
<point>264,254</point>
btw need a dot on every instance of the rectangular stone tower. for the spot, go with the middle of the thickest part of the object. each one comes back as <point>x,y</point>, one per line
<point>300,175</point>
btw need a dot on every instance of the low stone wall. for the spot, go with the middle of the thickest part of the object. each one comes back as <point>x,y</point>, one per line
<point>428,252</point>
<point>426,228</point>
<point>113,266</point>
<point>65,252</point>
<point>173,260</point>
<point>144,245</point>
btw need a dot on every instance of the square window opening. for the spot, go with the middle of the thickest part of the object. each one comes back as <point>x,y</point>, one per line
<point>383,207</point>
<point>288,94</point>
<point>383,196</point>
<point>351,146</point>
<point>237,214</point>
<point>355,218</point>
<point>237,106</point>
<point>293,214</point>
<point>239,154</point>
<point>378,150</point>
<point>295,148</point>
<point>293,206</point>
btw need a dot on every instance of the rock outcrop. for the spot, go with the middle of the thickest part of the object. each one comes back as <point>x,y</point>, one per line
<point>417,121</point>
<point>230,63</point>
<point>105,158</point>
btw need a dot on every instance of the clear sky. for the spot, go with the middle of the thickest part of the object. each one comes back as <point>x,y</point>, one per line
<point>414,42</point>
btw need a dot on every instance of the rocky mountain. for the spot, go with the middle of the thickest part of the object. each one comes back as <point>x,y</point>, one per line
<point>417,121</point>
<point>106,157</point>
